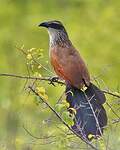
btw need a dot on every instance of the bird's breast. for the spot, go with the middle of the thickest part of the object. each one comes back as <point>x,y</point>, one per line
<point>55,59</point>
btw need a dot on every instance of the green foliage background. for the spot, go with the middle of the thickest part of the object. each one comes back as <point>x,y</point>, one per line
<point>93,27</point>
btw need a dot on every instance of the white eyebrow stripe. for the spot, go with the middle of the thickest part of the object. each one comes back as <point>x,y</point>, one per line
<point>56,22</point>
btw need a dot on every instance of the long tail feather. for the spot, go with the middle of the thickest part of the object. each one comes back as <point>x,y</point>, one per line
<point>90,117</point>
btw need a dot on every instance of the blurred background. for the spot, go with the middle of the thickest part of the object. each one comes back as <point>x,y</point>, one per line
<point>93,27</point>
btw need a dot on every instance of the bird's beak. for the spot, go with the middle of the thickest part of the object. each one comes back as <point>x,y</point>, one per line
<point>44,24</point>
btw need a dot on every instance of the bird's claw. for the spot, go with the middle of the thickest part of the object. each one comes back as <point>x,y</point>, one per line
<point>53,79</point>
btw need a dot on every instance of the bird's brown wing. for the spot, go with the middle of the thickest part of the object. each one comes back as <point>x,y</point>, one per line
<point>69,66</point>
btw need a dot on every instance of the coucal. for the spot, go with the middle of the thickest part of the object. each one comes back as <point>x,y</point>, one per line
<point>90,117</point>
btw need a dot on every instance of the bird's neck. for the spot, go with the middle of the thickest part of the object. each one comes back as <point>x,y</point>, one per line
<point>59,38</point>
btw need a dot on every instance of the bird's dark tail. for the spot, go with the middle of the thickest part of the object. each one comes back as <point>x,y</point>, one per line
<point>90,117</point>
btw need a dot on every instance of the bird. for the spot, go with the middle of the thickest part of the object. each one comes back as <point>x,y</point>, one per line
<point>82,95</point>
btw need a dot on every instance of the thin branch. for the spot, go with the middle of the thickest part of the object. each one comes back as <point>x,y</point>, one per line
<point>52,109</point>
<point>36,137</point>
<point>113,110</point>
<point>116,121</point>
<point>49,79</point>
<point>111,93</point>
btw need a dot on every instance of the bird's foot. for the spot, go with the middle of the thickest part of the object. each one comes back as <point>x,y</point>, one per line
<point>53,80</point>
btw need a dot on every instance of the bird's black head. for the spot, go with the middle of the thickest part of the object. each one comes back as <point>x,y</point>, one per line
<point>57,33</point>
<point>52,24</point>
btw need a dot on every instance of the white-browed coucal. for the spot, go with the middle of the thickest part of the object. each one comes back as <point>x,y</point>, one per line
<point>90,117</point>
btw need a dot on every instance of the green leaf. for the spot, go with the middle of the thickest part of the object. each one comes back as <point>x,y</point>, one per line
<point>60,107</point>
<point>67,118</point>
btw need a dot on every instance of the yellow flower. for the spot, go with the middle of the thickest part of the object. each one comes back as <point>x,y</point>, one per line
<point>30,50</point>
<point>39,66</point>
<point>66,103</point>
<point>36,74</point>
<point>40,90</point>
<point>90,136</point>
<point>84,88</point>
<point>39,75</point>
<point>29,56</point>
<point>45,96</point>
